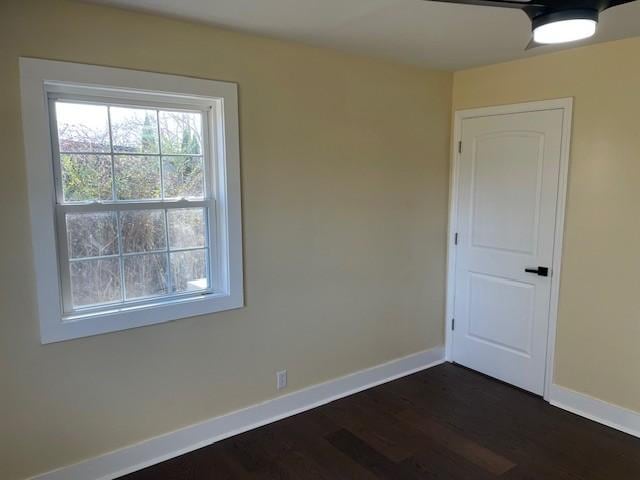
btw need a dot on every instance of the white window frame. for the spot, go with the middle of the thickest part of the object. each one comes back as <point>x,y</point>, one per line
<point>43,79</point>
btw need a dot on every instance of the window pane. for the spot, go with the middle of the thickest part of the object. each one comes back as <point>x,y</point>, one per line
<point>189,271</point>
<point>134,130</point>
<point>95,282</point>
<point>142,230</point>
<point>145,275</point>
<point>183,177</point>
<point>91,234</point>
<point>82,127</point>
<point>186,227</point>
<point>181,133</point>
<point>86,177</point>
<point>137,177</point>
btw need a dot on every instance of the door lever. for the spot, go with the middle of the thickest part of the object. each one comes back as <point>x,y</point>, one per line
<point>541,271</point>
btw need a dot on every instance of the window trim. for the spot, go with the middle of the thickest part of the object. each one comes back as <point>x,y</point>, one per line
<point>43,78</point>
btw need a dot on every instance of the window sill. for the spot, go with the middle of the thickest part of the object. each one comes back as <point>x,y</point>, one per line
<point>83,325</point>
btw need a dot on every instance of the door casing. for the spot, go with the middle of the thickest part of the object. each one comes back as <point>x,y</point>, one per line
<point>566,105</point>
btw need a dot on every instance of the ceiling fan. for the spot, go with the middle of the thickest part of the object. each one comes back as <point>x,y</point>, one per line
<point>554,21</point>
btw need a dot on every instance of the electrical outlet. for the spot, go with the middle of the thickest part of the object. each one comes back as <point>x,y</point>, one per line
<point>281,379</point>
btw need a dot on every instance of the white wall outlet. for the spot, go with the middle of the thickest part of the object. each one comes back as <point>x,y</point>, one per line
<point>281,379</point>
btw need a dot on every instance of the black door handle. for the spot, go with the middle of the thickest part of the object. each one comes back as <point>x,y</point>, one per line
<point>541,271</point>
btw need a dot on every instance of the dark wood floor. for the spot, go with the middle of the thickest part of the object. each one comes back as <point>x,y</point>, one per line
<point>444,423</point>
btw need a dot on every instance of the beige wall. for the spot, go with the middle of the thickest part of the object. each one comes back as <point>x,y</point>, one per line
<point>598,343</point>
<point>344,175</point>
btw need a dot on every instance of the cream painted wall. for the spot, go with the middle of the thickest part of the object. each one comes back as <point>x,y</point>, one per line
<point>598,343</point>
<point>344,176</point>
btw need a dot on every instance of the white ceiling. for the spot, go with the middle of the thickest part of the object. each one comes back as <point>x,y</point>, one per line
<point>437,35</point>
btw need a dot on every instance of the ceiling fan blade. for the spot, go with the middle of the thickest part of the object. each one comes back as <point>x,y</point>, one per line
<point>534,8</point>
<point>493,3</point>
<point>615,3</point>
<point>541,11</point>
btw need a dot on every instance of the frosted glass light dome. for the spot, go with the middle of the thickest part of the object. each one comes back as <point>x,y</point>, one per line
<point>562,31</point>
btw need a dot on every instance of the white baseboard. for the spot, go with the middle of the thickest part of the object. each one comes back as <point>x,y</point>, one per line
<point>158,449</point>
<point>613,416</point>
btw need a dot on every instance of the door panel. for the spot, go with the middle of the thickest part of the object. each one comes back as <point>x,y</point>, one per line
<point>507,169</point>
<point>508,190</point>
<point>489,320</point>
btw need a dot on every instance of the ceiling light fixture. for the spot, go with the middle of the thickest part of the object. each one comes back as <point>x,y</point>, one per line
<point>554,21</point>
<point>565,26</point>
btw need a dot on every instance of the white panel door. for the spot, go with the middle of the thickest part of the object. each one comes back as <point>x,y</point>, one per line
<point>507,198</point>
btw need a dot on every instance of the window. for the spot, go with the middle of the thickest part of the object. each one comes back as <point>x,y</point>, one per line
<point>134,196</point>
<point>133,202</point>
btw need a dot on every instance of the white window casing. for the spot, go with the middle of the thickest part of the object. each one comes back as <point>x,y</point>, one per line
<point>43,83</point>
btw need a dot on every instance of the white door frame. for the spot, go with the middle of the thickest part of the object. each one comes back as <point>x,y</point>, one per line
<point>566,105</point>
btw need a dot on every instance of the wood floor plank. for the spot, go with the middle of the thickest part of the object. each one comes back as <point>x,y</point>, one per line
<point>446,465</point>
<point>446,423</point>
<point>448,437</point>
<point>370,458</point>
<point>309,435</point>
<point>386,437</point>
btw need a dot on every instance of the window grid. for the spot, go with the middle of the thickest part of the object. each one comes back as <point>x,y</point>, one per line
<point>118,206</point>
<point>165,213</point>
<point>117,215</point>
